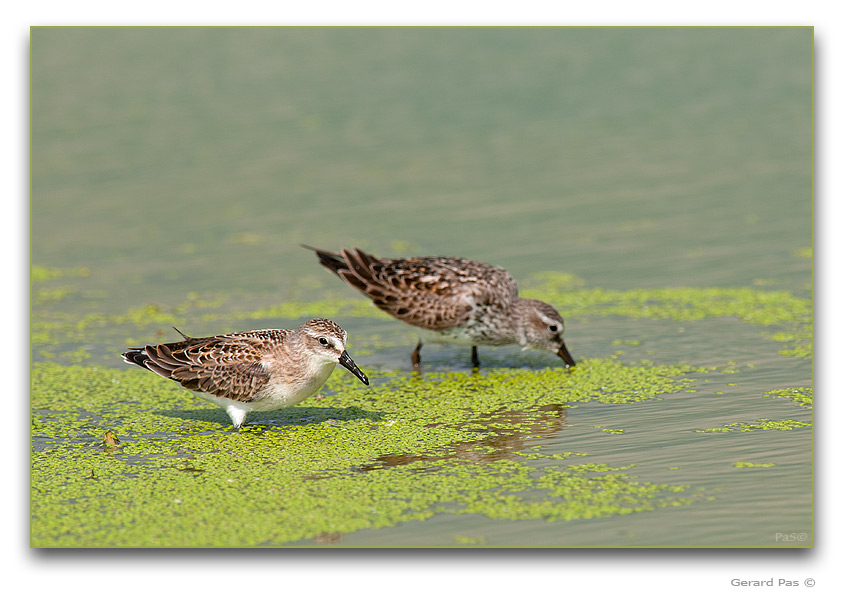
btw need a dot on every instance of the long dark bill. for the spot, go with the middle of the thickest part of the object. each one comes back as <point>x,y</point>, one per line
<point>564,354</point>
<point>346,361</point>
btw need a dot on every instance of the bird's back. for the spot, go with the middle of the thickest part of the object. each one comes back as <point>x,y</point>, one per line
<point>434,293</point>
<point>227,365</point>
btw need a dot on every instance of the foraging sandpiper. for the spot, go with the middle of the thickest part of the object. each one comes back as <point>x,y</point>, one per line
<point>258,370</point>
<point>455,300</point>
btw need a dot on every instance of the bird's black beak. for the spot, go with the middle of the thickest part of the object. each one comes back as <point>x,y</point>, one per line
<point>564,354</point>
<point>346,361</point>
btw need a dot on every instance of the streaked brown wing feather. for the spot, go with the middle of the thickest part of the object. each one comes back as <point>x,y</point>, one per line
<point>434,293</point>
<point>228,366</point>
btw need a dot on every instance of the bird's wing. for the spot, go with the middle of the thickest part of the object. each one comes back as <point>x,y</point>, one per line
<point>229,366</point>
<point>434,293</point>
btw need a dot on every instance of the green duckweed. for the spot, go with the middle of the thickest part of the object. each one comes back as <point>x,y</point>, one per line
<point>759,425</point>
<point>40,274</point>
<point>800,396</point>
<point>126,459</point>
<point>788,315</point>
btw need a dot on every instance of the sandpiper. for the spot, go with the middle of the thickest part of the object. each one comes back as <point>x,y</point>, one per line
<point>258,370</point>
<point>454,300</point>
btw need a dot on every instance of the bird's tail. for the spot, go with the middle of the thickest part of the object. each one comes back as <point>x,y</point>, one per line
<point>329,260</point>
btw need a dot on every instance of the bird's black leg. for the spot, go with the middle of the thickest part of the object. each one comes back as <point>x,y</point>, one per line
<point>414,356</point>
<point>476,364</point>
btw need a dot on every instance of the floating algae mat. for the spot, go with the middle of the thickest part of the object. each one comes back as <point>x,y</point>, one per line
<point>124,459</point>
<point>782,316</point>
<point>679,200</point>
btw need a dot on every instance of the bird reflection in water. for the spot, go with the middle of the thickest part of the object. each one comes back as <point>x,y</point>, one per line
<point>513,431</point>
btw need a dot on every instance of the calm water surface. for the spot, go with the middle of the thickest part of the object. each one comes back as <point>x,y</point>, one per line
<point>170,162</point>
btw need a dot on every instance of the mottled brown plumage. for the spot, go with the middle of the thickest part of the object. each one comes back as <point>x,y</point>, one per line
<point>228,365</point>
<point>456,299</point>
<point>257,370</point>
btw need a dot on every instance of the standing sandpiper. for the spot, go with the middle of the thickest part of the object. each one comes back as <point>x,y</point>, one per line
<point>258,370</point>
<point>455,300</point>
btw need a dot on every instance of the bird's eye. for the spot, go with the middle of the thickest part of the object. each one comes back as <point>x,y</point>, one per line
<point>552,328</point>
<point>323,341</point>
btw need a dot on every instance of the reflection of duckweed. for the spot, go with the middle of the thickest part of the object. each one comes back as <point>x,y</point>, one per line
<point>176,476</point>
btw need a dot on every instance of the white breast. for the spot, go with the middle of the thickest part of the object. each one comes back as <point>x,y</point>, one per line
<point>280,394</point>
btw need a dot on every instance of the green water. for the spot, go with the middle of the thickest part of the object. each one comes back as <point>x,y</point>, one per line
<point>174,172</point>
